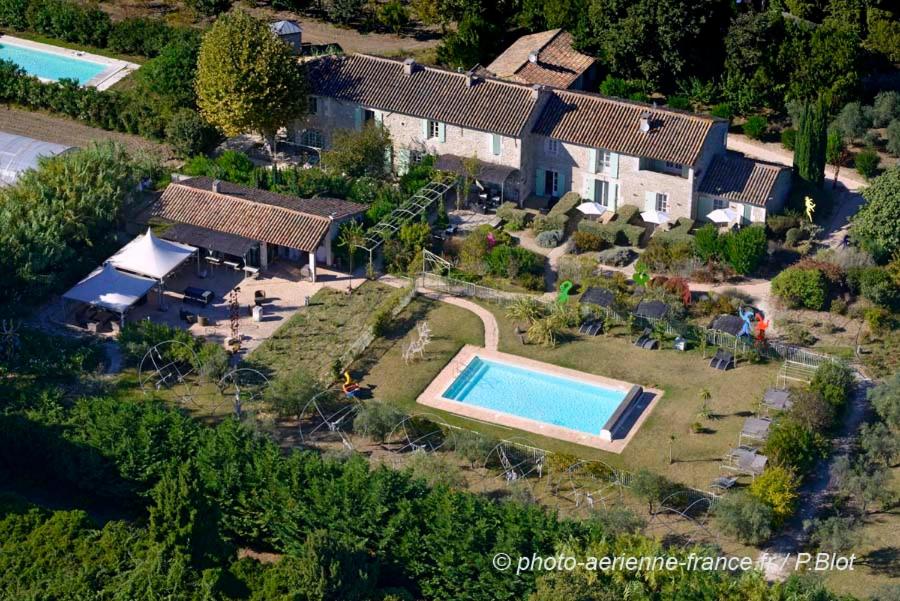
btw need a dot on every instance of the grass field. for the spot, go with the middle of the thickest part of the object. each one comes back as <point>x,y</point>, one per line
<point>878,554</point>
<point>317,335</point>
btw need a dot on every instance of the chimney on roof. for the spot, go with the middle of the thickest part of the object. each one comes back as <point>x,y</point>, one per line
<point>216,184</point>
<point>533,56</point>
<point>410,66</point>
<point>536,90</point>
<point>645,122</point>
<point>471,78</point>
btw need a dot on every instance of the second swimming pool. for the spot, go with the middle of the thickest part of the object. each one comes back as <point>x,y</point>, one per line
<point>536,395</point>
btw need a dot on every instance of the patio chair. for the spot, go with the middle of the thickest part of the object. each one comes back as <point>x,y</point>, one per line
<point>722,360</point>
<point>591,327</point>
<point>259,297</point>
<point>723,483</point>
<point>643,338</point>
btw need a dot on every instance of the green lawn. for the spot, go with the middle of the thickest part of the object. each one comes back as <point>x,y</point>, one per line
<point>317,335</point>
<point>735,393</point>
<point>382,368</point>
<point>878,554</point>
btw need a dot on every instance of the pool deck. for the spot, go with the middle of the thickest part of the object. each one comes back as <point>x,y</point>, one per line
<point>433,397</point>
<point>115,70</point>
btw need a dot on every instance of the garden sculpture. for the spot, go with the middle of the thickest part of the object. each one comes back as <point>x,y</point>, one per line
<point>641,275</point>
<point>564,289</point>
<point>747,316</point>
<point>810,207</point>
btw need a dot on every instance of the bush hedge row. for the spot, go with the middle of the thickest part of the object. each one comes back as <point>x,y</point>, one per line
<point>616,232</point>
<point>87,24</point>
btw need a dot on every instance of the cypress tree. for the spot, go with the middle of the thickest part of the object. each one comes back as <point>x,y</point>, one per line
<point>812,137</point>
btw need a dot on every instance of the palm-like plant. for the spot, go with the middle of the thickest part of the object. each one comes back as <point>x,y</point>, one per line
<point>705,412</point>
<point>526,310</point>
<point>544,332</point>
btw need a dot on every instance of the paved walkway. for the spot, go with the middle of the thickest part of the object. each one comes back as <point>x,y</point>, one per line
<point>491,329</point>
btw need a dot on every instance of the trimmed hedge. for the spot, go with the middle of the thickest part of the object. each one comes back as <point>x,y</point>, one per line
<point>514,217</point>
<point>549,238</point>
<point>681,231</point>
<point>569,201</point>
<point>550,223</point>
<point>627,213</point>
<point>614,233</point>
<point>86,24</point>
<point>801,288</point>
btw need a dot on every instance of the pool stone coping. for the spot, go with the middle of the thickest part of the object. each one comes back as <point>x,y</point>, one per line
<point>432,397</point>
<point>115,71</point>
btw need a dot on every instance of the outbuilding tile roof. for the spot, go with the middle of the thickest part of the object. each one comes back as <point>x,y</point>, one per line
<point>736,178</point>
<point>599,122</point>
<point>488,104</point>
<point>558,63</point>
<point>242,215</point>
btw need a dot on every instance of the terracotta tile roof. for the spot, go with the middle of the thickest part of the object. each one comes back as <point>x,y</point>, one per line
<point>242,217</point>
<point>323,207</point>
<point>736,178</point>
<point>599,122</point>
<point>488,105</point>
<point>558,63</point>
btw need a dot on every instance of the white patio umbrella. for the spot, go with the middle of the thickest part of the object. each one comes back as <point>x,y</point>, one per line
<point>722,216</point>
<point>591,208</point>
<point>657,217</point>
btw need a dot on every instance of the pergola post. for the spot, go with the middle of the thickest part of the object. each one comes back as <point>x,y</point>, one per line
<point>312,266</point>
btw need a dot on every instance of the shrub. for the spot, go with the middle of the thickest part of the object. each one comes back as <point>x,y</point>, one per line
<point>878,319</point>
<point>707,245</point>
<point>566,204</point>
<point>777,487</point>
<point>867,162</point>
<point>793,445</point>
<point>549,238</point>
<point>377,419</point>
<point>876,285</point>
<point>755,127</point>
<point>576,268</point>
<point>213,361</point>
<point>745,248</point>
<point>532,281</point>
<point>886,108</point>
<point>779,225</point>
<point>798,288</point>
<point>618,257</point>
<point>793,236</point>
<point>188,134</point>
<point>681,103</point>
<point>722,111</point>
<point>141,35</point>
<point>812,410</point>
<point>893,138</point>
<point>514,217</point>
<point>651,487</point>
<point>588,242</point>
<point>627,213</point>
<point>833,382</point>
<point>744,517</point>
<point>549,223</point>
<point>69,21</point>
<point>789,138</point>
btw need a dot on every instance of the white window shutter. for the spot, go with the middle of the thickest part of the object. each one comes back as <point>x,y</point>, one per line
<point>649,201</point>
<point>592,160</point>
<point>613,202</point>
<point>589,184</point>
<point>358,118</point>
<point>424,129</point>
<point>613,164</point>
<point>379,118</point>
<point>495,144</point>
<point>442,132</point>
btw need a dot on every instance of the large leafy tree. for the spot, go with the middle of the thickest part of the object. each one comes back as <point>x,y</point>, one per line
<point>876,227</point>
<point>657,42</point>
<point>359,153</point>
<point>248,79</point>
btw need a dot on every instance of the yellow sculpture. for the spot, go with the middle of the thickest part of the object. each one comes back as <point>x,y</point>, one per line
<point>810,208</point>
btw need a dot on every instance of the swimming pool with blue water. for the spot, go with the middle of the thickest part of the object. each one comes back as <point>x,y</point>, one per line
<point>46,65</point>
<point>535,395</point>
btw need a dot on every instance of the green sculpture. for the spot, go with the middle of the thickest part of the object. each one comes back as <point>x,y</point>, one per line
<point>563,296</point>
<point>641,275</point>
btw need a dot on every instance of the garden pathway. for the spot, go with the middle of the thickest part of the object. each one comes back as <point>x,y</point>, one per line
<point>777,559</point>
<point>491,329</point>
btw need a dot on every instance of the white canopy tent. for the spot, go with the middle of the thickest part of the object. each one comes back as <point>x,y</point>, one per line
<point>150,256</point>
<point>722,216</point>
<point>657,217</point>
<point>108,288</point>
<point>591,208</point>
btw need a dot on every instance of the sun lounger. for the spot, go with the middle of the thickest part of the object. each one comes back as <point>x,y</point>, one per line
<point>746,460</point>
<point>592,327</point>
<point>756,428</point>
<point>723,482</point>
<point>778,399</point>
<point>722,360</point>
<point>643,338</point>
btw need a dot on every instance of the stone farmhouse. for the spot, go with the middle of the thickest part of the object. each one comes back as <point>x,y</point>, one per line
<point>535,142</point>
